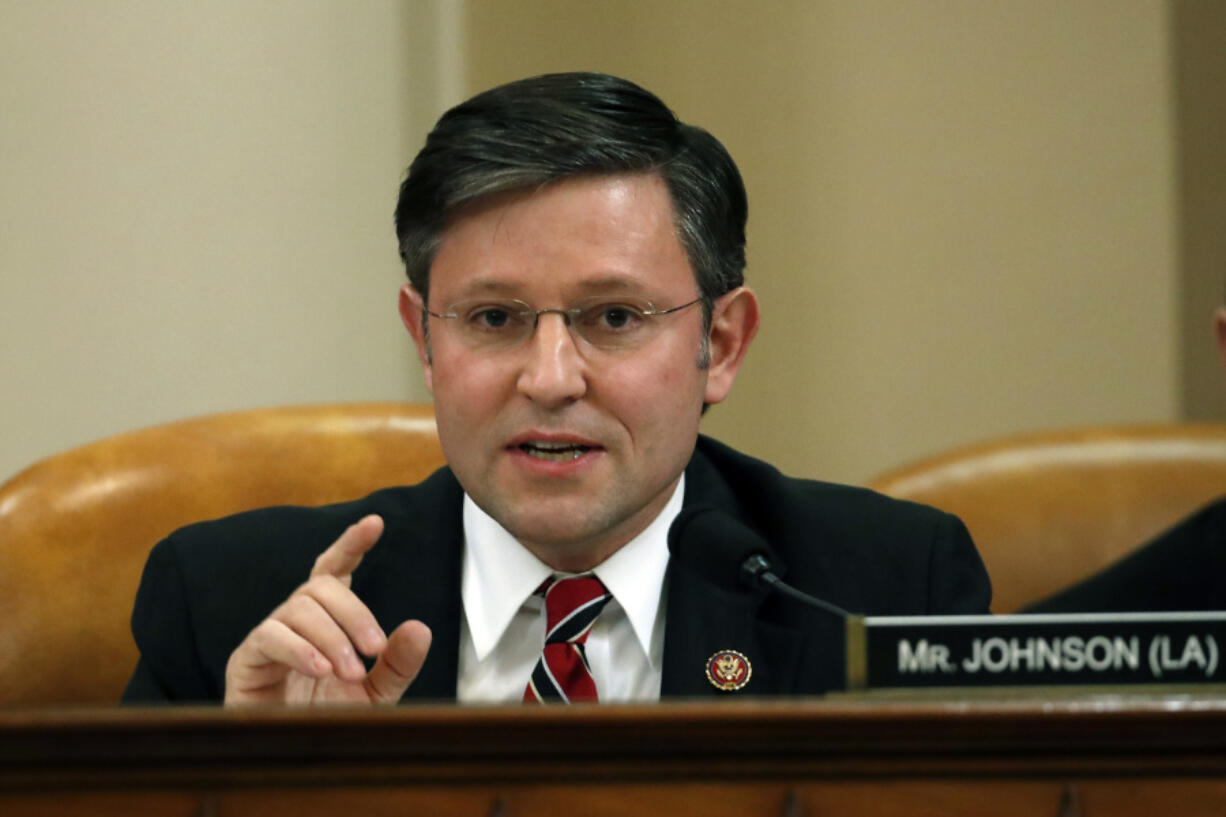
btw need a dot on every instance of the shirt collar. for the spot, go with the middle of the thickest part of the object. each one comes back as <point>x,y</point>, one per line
<point>500,574</point>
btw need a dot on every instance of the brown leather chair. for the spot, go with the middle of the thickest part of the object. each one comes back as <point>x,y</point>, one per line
<point>1048,509</point>
<point>75,529</point>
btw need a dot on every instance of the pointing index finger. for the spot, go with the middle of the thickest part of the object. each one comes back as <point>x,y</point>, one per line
<point>345,554</point>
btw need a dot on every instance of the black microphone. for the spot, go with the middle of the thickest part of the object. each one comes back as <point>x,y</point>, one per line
<point>730,555</point>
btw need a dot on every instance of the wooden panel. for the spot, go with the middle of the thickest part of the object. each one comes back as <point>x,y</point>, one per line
<point>940,798</point>
<point>946,799</point>
<point>840,739</point>
<point>363,802</point>
<point>1146,798</point>
<point>101,804</point>
<point>932,799</point>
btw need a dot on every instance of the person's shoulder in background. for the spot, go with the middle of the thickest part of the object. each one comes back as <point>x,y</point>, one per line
<point>1184,568</point>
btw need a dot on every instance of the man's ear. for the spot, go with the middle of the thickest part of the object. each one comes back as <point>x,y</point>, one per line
<point>734,322</point>
<point>1219,334</point>
<point>412,313</point>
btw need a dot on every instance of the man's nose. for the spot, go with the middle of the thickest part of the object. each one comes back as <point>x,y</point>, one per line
<point>554,371</point>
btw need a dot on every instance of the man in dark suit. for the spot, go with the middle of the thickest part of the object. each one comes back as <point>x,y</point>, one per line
<point>575,258</point>
<point>1182,569</point>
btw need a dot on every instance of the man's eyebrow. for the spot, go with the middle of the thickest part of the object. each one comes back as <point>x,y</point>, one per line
<point>603,284</point>
<point>614,282</point>
<point>622,286</point>
<point>489,286</point>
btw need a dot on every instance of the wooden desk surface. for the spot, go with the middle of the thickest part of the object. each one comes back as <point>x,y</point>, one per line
<point>700,758</point>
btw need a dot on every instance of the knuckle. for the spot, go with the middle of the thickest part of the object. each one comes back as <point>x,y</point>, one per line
<point>314,587</point>
<point>234,660</point>
<point>259,632</point>
<point>293,608</point>
<point>323,582</point>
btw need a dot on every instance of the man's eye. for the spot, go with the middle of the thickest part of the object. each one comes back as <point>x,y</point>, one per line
<point>491,317</point>
<point>616,316</point>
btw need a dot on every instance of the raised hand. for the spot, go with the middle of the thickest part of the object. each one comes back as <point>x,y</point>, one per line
<point>306,651</point>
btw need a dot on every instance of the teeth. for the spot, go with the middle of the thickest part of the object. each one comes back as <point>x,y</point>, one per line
<point>556,452</point>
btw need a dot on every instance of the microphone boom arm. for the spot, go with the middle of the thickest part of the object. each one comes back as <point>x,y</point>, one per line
<point>756,570</point>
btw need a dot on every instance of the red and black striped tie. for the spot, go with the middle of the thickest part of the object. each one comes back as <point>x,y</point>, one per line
<point>562,674</point>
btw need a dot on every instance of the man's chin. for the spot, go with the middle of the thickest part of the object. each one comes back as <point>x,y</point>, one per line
<point>564,538</point>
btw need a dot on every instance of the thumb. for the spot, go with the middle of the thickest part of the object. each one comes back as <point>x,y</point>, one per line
<point>399,662</point>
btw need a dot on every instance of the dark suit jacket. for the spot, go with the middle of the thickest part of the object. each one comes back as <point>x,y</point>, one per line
<point>1183,569</point>
<point>206,586</point>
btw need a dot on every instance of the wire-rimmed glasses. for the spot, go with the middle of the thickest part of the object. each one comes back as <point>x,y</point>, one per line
<point>604,322</point>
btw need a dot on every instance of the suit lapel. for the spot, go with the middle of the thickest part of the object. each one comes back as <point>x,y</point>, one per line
<point>704,620</point>
<point>414,572</point>
<point>790,648</point>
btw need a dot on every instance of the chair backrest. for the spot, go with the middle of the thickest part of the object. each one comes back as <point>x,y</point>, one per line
<point>75,528</point>
<point>1049,509</point>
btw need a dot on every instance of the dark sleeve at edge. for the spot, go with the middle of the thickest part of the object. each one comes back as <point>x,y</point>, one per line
<point>169,669</point>
<point>958,580</point>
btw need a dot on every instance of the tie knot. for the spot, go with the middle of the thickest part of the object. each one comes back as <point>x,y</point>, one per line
<point>571,606</point>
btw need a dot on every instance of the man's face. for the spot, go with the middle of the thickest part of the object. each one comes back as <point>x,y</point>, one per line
<point>627,419</point>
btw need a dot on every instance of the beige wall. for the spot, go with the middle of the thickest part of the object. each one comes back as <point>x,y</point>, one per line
<point>962,213</point>
<point>195,207</point>
<point>1198,30</point>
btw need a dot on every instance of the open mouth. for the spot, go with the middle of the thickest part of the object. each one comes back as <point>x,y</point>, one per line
<point>554,452</point>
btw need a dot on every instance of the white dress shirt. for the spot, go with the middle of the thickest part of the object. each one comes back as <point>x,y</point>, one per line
<point>503,629</point>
